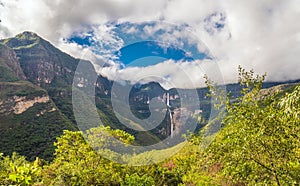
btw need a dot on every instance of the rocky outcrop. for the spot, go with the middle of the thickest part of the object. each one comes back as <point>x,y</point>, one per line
<point>20,104</point>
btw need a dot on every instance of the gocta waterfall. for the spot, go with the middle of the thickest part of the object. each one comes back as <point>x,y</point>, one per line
<point>170,113</point>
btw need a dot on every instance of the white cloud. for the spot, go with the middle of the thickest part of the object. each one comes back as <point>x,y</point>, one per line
<point>263,35</point>
<point>168,73</point>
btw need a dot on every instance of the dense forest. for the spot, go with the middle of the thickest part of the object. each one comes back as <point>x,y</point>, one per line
<point>259,144</point>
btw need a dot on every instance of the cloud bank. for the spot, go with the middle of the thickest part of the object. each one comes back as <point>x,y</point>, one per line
<point>263,35</point>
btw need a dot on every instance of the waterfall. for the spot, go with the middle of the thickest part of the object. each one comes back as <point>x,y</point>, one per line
<point>168,99</point>
<point>172,124</point>
<point>171,117</point>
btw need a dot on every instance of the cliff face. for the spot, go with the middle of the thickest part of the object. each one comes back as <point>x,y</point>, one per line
<point>10,69</point>
<point>30,69</point>
<point>36,96</point>
<point>42,63</point>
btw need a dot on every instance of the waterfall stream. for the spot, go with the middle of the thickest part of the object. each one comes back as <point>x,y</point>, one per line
<point>171,117</point>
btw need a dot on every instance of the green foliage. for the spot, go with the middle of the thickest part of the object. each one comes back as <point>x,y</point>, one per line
<point>31,135</point>
<point>259,144</point>
<point>100,135</point>
<point>33,132</point>
<point>77,163</point>
<point>260,141</point>
<point>22,41</point>
<point>136,180</point>
<point>15,170</point>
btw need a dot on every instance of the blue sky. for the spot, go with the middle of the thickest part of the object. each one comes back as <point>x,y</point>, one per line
<point>138,51</point>
<point>142,53</point>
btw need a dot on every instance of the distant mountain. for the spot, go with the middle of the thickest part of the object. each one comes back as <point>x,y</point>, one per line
<point>42,63</point>
<point>36,98</point>
<point>35,78</point>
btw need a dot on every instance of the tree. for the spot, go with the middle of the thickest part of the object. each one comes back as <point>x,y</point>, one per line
<point>15,170</point>
<point>260,141</point>
<point>77,163</point>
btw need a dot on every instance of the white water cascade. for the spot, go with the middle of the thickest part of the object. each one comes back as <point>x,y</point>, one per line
<point>171,117</point>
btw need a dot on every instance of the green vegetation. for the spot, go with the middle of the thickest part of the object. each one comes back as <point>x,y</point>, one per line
<point>259,144</point>
<point>22,41</point>
<point>9,69</point>
<point>6,74</point>
<point>260,141</point>
<point>32,132</point>
<point>20,88</point>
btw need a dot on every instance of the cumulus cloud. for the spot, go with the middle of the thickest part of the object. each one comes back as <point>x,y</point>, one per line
<point>169,74</point>
<point>263,35</point>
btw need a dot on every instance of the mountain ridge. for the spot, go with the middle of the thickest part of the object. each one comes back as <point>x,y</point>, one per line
<point>39,77</point>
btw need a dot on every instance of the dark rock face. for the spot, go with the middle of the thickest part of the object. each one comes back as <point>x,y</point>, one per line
<point>42,63</point>
<point>30,120</point>
<point>10,69</point>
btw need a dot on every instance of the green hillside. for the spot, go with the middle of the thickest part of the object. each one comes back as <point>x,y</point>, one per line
<point>30,119</point>
<point>32,131</point>
<point>47,71</point>
<point>259,144</point>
